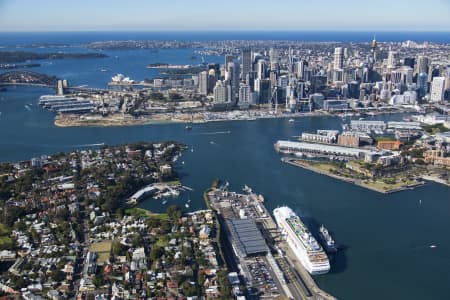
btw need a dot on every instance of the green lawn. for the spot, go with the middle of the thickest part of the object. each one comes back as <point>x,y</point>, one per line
<point>6,243</point>
<point>103,250</point>
<point>4,230</point>
<point>143,213</point>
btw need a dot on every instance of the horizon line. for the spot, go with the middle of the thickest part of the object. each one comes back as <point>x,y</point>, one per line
<point>443,30</point>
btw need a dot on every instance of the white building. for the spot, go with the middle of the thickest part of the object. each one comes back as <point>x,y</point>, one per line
<point>220,92</point>
<point>203,83</point>
<point>437,89</point>
<point>244,95</point>
<point>338,58</point>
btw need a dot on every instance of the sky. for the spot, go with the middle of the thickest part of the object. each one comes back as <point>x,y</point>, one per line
<point>209,15</point>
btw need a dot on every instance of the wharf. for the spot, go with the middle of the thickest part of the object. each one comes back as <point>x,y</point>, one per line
<point>293,280</point>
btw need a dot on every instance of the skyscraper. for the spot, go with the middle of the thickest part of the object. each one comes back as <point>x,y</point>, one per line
<point>261,69</point>
<point>391,61</point>
<point>233,72</point>
<point>301,65</point>
<point>274,58</point>
<point>409,61</point>
<point>220,93</point>
<point>422,64</point>
<point>437,89</point>
<point>203,83</point>
<point>407,75</point>
<point>244,95</point>
<point>338,58</point>
<point>228,58</point>
<point>422,84</point>
<point>247,63</point>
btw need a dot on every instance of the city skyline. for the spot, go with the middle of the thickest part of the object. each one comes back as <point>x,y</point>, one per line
<point>202,15</point>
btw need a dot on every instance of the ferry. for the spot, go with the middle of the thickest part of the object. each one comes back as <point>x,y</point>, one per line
<point>327,241</point>
<point>302,243</point>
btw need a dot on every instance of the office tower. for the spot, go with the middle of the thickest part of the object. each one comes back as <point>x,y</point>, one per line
<point>318,83</point>
<point>349,75</point>
<point>353,90</point>
<point>273,76</point>
<point>203,83</point>
<point>220,92</point>
<point>263,90</point>
<point>274,58</point>
<point>261,69</point>
<point>437,89</point>
<point>432,72</point>
<point>422,64</point>
<point>246,63</point>
<point>338,75</point>
<point>233,72</point>
<point>447,86</point>
<point>244,95</point>
<point>228,58</point>
<point>391,62</point>
<point>373,50</point>
<point>301,65</point>
<point>422,84</point>
<point>407,75</point>
<point>300,89</point>
<point>338,58</point>
<point>409,61</point>
<point>212,78</point>
<point>396,77</point>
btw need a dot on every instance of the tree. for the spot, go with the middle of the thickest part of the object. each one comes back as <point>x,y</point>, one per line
<point>174,212</point>
<point>117,248</point>
<point>57,275</point>
<point>156,253</point>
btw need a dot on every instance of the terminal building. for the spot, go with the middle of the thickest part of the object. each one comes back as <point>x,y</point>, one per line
<point>322,136</point>
<point>404,125</point>
<point>246,238</point>
<point>366,126</point>
<point>332,150</point>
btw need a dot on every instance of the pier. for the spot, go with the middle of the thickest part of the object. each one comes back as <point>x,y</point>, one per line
<point>289,276</point>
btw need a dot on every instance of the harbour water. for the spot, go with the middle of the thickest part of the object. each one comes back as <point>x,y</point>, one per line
<point>387,238</point>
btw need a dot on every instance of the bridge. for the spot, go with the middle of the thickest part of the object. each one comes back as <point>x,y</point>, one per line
<point>27,78</point>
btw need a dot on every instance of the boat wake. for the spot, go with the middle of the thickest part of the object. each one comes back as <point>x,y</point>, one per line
<point>213,133</point>
<point>90,145</point>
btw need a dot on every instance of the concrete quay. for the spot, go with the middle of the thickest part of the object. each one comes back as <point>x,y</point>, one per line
<point>293,280</point>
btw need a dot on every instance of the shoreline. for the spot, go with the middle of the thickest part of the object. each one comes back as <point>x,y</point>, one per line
<point>357,182</point>
<point>115,120</point>
<point>71,120</point>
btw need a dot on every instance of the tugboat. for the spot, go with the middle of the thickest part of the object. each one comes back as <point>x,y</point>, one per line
<point>327,241</point>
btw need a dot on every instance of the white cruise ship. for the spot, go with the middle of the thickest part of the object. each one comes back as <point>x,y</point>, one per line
<point>301,241</point>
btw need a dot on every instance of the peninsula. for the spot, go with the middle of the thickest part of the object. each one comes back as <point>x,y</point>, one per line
<point>384,157</point>
<point>7,57</point>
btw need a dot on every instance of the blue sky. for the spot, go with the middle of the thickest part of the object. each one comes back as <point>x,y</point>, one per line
<point>66,15</point>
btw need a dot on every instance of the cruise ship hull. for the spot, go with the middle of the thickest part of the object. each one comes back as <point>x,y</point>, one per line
<point>304,246</point>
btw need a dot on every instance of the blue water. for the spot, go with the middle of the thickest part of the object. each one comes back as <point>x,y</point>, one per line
<point>15,38</point>
<point>387,237</point>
